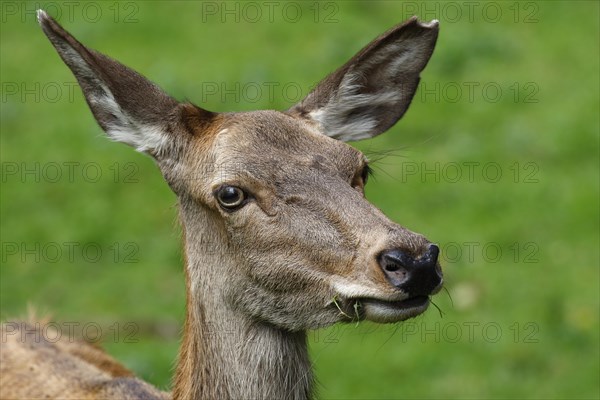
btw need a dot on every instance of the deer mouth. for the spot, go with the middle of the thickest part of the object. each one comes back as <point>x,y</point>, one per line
<point>382,311</point>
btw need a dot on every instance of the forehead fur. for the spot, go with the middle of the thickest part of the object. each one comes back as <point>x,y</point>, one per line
<point>265,142</point>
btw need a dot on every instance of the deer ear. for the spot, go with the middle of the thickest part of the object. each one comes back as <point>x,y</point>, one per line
<point>372,91</point>
<point>129,107</point>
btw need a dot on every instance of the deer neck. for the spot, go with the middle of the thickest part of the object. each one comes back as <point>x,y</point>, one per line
<point>226,354</point>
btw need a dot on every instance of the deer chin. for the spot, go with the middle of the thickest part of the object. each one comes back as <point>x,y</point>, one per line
<point>382,311</point>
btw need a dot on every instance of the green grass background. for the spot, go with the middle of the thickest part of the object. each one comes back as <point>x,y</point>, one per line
<point>522,324</point>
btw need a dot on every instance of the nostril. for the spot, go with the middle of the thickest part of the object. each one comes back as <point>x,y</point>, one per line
<point>393,260</point>
<point>434,251</point>
<point>431,257</point>
<point>415,275</point>
<point>396,265</point>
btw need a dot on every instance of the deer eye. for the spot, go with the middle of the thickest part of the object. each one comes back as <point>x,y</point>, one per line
<point>366,172</point>
<point>230,197</point>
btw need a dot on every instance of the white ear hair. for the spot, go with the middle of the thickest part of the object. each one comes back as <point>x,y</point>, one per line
<point>334,120</point>
<point>129,107</point>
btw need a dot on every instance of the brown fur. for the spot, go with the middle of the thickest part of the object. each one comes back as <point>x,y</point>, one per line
<point>35,365</point>
<point>303,251</point>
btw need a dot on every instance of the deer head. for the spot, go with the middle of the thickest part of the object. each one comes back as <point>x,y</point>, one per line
<point>276,224</point>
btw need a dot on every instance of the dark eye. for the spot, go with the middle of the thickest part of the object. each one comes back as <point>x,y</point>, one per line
<point>366,172</point>
<point>230,197</point>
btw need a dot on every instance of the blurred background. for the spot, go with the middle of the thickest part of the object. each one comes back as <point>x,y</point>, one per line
<point>496,160</point>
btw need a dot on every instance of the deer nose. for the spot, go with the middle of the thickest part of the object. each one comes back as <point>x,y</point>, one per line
<point>415,276</point>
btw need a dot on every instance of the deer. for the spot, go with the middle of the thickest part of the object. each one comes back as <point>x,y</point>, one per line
<point>278,236</point>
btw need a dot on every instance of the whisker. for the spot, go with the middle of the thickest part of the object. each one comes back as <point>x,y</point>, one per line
<point>449,296</point>
<point>438,308</point>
